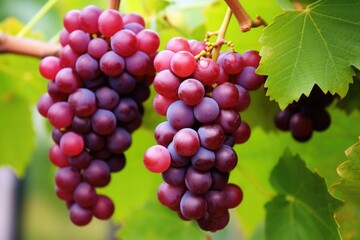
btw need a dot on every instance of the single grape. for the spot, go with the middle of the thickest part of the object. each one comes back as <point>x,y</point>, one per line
<point>147,41</point>
<point>212,136</point>
<point>197,182</point>
<point>166,84</point>
<point>207,71</point>
<point>49,67</point>
<point>103,122</point>
<point>234,195</point>
<point>177,44</point>
<point>190,91</point>
<point>124,43</point>
<point>180,115</point>
<point>157,159</point>
<point>97,174</point>
<point>207,110</point>
<point>186,142</point>
<point>67,178</point>
<point>174,176</point>
<point>103,207</point>
<point>183,64</point>
<point>193,206</point>
<point>72,143</point>
<point>60,115</point>
<point>170,195</point>
<point>203,159</point>
<point>110,22</point>
<point>119,141</point>
<point>226,158</point>
<point>80,216</point>
<point>82,102</point>
<point>112,64</point>
<point>85,195</point>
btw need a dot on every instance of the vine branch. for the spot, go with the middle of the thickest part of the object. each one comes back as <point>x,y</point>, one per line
<point>27,46</point>
<point>114,4</point>
<point>243,18</point>
<point>221,34</point>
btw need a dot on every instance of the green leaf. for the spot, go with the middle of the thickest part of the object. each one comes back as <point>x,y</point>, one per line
<point>156,222</point>
<point>303,208</point>
<point>317,45</point>
<point>348,218</point>
<point>349,173</point>
<point>351,102</point>
<point>17,135</point>
<point>289,5</point>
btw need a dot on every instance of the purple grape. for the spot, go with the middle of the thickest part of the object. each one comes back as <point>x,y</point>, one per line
<point>97,174</point>
<point>85,195</point>
<point>119,141</point>
<point>196,181</point>
<point>193,206</point>
<point>203,159</point>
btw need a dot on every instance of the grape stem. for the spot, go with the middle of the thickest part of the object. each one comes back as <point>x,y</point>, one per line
<point>27,46</point>
<point>114,4</point>
<point>243,18</point>
<point>221,34</point>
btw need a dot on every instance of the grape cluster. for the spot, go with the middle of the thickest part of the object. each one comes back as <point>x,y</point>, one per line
<point>94,102</point>
<point>201,99</point>
<point>305,116</point>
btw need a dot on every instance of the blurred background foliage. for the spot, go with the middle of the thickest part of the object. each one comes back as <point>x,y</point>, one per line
<point>25,136</point>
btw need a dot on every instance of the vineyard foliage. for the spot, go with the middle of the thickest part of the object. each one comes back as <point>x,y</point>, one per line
<point>291,190</point>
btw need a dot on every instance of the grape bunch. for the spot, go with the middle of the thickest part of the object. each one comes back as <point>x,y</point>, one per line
<point>201,99</point>
<point>94,102</point>
<point>305,116</point>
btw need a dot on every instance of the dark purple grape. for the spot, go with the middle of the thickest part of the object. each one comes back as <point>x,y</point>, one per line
<point>219,179</point>
<point>87,67</point>
<point>103,122</point>
<point>126,110</point>
<point>174,176</point>
<point>193,206</point>
<point>67,178</point>
<point>103,207</point>
<point>80,161</point>
<point>212,136</point>
<point>170,195</point>
<point>282,119</point>
<point>197,182</point>
<point>116,162</point>
<point>94,141</point>
<point>301,127</point>
<point>216,201</point>
<point>207,110</point>
<point>119,141</point>
<point>81,125</point>
<point>124,83</point>
<point>80,216</point>
<point>82,102</point>
<point>226,158</point>
<point>106,98</point>
<point>97,173</point>
<point>85,195</point>
<point>164,133</point>
<point>203,159</point>
<point>229,120</point>
<point>180,115</point>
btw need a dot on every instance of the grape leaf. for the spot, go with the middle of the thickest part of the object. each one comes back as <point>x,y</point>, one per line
<point>317,45</point>
<point>303,208</point>
<point>351,102</point>
<point>17,135</point>
<point>156,222</point>
<point>349,173</point>
<point>289,5</point>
